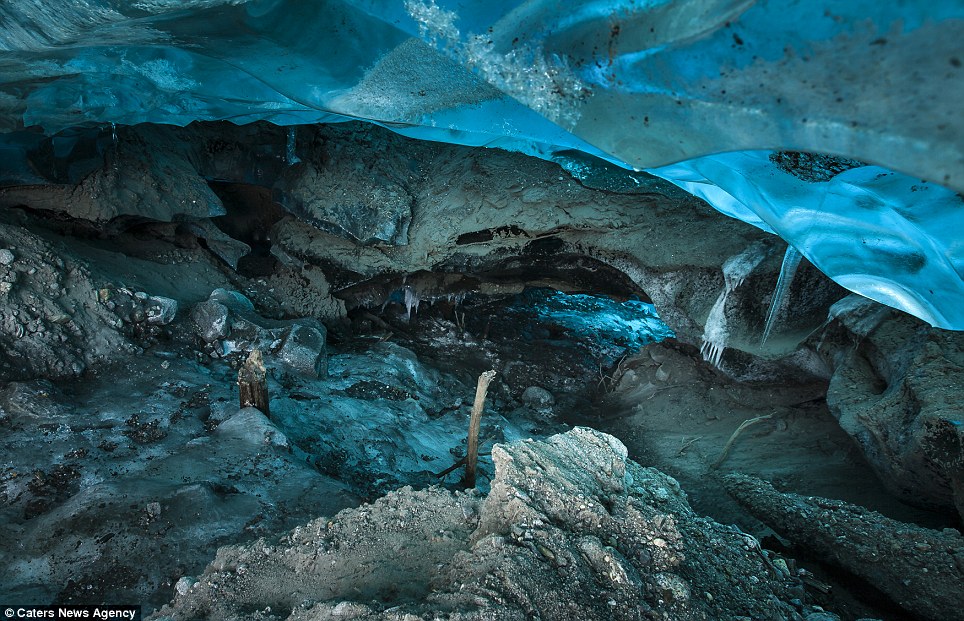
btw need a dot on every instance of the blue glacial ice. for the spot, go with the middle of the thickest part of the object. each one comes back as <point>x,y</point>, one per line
<point>614,328</point>
<point>709,94</point>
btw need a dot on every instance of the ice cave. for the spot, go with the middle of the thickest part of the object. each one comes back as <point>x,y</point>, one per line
<point>482,310</point>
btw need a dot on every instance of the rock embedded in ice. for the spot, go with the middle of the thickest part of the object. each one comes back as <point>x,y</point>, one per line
<point>6,257</point>
<point>161,310</point>
<point>252,426</point>
<point>235,301</point>
<point>303,350</point>
<point>184,585</point>
<point>538,398</point>
<point>210,320</point>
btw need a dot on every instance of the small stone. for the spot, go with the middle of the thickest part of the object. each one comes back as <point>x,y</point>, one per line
<point>161,310</point>
<point>184,585</point>
<point>6,257</point>
<point>154,510</point>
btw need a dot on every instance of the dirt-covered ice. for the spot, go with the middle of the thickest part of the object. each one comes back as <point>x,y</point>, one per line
<point>571,529</point>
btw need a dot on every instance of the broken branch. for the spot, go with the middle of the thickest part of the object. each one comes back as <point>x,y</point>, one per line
<point>739,430</point>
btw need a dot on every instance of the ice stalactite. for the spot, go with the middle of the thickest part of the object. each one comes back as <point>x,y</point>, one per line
<point>456,298</point>
<point>290,156</point>
<point>715,331</point>
<point>791,261</point>
<point>412,300</point>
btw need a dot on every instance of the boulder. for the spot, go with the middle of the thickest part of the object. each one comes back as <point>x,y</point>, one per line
<point>303,350</point>
<point>160,310</point>
<point>210,320</point>
<point>538,398</point>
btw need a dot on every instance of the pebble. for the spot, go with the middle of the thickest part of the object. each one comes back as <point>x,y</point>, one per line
<point>6,257</point>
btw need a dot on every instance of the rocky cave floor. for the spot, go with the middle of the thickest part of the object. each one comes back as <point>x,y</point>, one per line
<point>122,485</point>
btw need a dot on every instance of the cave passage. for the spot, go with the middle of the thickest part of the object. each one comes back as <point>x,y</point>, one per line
<point>124,334</point>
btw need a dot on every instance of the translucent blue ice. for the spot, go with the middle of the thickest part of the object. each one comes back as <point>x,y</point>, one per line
<point>890,237</point>
<point>791,261</point>
<point>700,92</point>
<point>613,327</point>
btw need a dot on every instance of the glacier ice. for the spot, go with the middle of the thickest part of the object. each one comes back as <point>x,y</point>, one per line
<point>725,98</point>
<point>614,327</point>
<point>888,236</point>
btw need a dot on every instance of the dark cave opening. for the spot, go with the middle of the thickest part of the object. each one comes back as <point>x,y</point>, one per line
<point>251,212</point>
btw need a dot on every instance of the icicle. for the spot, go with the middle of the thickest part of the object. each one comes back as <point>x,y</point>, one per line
<point>290,156</point>
<point>411,301</point>
<point>715,331</point>
<point>113,132</point>
<point>791,261</point>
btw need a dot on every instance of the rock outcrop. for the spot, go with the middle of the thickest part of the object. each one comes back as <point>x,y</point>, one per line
<point>571,529</point>
<point>896,390</point>
<point>921,570</point>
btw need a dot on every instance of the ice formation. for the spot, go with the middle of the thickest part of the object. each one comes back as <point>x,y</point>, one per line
<point>715,331</point>
<point>616,328</point>
<point>791,261</point>
<point>291,154</point>
<point>728,99</point>
<point>412,300</point>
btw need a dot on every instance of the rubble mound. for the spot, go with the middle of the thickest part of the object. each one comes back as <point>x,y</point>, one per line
<point>52,323</point>
<point>571,529</point>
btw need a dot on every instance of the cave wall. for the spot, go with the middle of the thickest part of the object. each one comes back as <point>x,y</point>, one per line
<point>365,205</point>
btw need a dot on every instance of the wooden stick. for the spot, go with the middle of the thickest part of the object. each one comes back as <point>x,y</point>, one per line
<point>475,423</point>
<point>729,443</point>
<point>685,445</point>
<point>253,383</point>
<point>451,468</point>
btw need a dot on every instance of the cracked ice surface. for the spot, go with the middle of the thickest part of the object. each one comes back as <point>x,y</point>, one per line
<point>701,92</point>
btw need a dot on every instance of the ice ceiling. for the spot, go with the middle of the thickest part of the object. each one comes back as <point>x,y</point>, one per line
<point>717,96</point>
